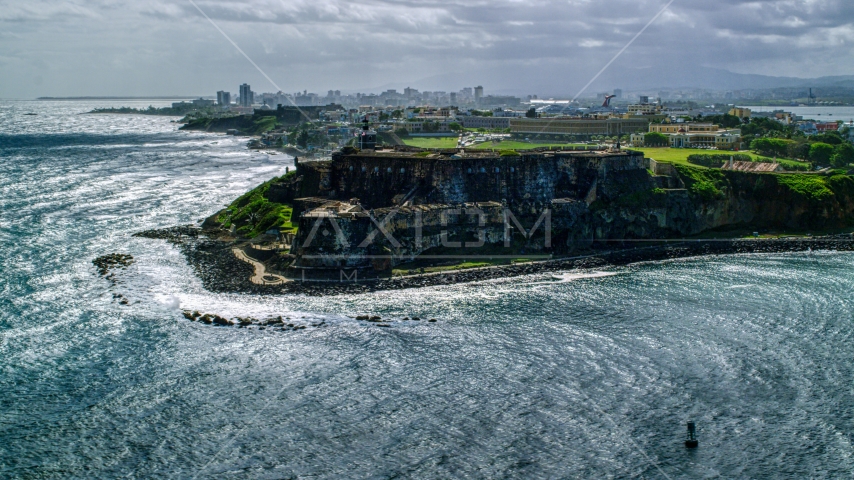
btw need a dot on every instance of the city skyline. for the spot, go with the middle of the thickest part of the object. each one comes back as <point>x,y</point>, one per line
<point>163,48</point>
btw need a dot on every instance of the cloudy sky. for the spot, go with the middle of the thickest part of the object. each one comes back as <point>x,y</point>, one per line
<point>165,47</point>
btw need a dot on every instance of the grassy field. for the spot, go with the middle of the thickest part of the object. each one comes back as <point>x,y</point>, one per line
<point>417,266</point>
<point>515,145</point>
<point>431,142</point>
<point>680,155</point>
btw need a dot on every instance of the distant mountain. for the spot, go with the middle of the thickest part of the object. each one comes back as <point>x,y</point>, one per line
<point>555,81</point>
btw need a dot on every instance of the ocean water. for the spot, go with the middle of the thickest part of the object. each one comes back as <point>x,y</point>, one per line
<point>818,113</point>
<point>566,375</point>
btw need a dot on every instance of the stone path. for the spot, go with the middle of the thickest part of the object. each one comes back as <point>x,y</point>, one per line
<point>261,277</point>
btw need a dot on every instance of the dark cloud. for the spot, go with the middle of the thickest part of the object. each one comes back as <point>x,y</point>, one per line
<point>161,47</point>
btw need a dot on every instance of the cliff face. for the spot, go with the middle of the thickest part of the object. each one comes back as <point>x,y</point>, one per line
<point>448,202</point>
<point>716,199</point>
<point>786,201</point>
<point>245,124</point>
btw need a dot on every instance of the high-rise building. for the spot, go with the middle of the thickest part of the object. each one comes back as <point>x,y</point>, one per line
<point>223,98</point>
<point>247,96</point>
<point>618,93</point>
<point>478,93</point>
<point>453,98</point>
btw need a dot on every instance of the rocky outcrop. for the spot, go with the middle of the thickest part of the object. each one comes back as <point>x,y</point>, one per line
<point>106,263</point>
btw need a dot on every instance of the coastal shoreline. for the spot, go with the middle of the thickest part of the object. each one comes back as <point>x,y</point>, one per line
<point>214,262</point>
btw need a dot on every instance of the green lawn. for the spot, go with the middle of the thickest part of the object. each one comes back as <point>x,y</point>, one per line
<point>431,142</point>
<point>516,145</point>
<point>415,267</point>
<point>680,155</point>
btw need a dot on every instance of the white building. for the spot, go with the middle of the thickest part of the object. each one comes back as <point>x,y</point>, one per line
<point>689,135</point>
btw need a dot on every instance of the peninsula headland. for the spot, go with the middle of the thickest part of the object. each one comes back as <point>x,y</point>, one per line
<point>386,218</point>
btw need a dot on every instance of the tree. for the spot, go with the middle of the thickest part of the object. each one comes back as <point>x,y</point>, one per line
<point>383,116</point>
<point>430,127</point>
<point>726,120</point>
<point>302,138</point>
<point>843,155</point>
<point>401,132</point>
<point>455,127</point>
<point>397,114</point>
<point>655,139</point>
<point>531,113</point>
<point>801,149</point>
<point>777,147</point>
<point>761,126</point>
<point>830,138</point>
<point>820,153</point>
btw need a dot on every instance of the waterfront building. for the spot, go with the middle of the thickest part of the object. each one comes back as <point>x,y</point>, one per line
<point>201,102</point>
<point>808,128</point>
<point>850,127</point>
<point>740,112</point>
<point>223,98</point>
<point>827,127</point>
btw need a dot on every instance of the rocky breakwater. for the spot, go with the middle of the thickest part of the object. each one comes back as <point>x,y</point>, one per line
<point>108,265</point>
<point>287,324</point>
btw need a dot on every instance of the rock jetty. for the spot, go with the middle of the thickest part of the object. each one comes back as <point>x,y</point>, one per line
<point>281,323</point>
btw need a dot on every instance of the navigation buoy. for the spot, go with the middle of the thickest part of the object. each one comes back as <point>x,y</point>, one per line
<point>691,441</point>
